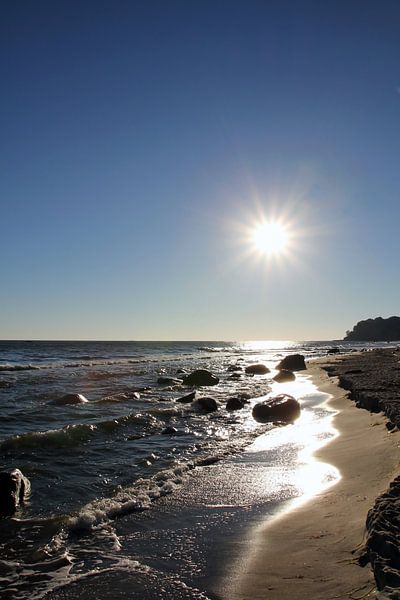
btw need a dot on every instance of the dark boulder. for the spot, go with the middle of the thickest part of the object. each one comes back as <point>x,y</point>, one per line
<point>280,408</point>
<point>293,362</point>
<point>333,351</point>
<point>235,404</point>
<point>71,399</point>
<point>169,430</point>
<point>201,377</point>
<point>164,380</point>
<point>284,375</point>
<point>186,399</point>
<point>14,489</point>
<point>258,369</point>
<point>208,404</point>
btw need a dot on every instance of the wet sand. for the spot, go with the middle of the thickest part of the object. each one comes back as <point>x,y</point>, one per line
<point>312,551</point>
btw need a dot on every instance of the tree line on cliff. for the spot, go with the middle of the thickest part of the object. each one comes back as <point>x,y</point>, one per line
<point>375,330</point>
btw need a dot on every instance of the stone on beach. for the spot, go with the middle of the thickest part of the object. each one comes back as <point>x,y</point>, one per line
<point>258,369</point>
<point>208,404</point>
<point>234,368</point>
<point>235,404</point>
<point>71,399</point>
<point>201,377</point>
<point>293,362</point>
<point>14,489</point>
<point>284,375</point>
<point>280,408</point>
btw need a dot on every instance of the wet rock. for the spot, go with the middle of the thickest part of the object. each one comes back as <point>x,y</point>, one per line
<point>14,489</point>
<point>258,369</point>
<point>186,399</point>
<point>164,380</point>
<point>280,408</point>
<point>390,426</point>
<point>284,375</point>
<point>181,372</point>
<point>71,399</point>
<point>333,351</point>
<point>201,377</point>
<point>234,368</point>
<point>235,404</point>
<point>169,430</point>
<point>293,362</point>
<point>235,376</point>
<point>208,404</point>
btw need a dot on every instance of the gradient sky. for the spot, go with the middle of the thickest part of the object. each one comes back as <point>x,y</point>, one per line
<point>138,139</point>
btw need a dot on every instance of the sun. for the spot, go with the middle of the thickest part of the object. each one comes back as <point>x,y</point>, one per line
<point>270,238</point>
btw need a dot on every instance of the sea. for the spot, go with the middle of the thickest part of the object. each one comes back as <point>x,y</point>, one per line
<point>133,493</point>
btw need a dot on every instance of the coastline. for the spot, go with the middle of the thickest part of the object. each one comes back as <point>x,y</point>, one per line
<point>311,551</point>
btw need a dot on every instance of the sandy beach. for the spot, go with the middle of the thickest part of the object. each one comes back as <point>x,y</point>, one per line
<point>311,552</point>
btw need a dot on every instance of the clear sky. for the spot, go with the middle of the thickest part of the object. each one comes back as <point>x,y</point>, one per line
<point>140,141</point>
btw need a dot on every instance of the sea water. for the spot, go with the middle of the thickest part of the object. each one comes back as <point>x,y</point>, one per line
<point>101,471</point>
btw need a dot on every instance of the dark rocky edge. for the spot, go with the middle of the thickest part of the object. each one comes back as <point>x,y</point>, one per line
<point>373,381</point>
<point>375,330</point>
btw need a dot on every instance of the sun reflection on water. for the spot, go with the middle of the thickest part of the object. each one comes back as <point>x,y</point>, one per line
<point>300,471</point>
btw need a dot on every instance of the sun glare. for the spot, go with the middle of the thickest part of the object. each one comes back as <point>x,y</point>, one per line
<point>270,238</point>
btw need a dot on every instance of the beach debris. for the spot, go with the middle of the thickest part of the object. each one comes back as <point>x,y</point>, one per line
<point>186,399</point>
<point>14,489</point>
<point>164,380</point>
<point>293,362</point>
<point>169,430</point>
<point>279,408</point>
<point>235,404</point>
<point>71,399</point>
<point>208,404</point>
<point>201,377</point>
<point>258,369</point>
<point>284,375</point>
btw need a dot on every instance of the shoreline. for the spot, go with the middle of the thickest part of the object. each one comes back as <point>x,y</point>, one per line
<point>311,551</point>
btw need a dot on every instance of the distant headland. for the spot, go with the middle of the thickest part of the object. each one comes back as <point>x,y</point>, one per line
<point>375,330</point>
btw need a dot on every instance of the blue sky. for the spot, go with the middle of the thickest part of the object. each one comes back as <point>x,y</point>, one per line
<point>138,138</point>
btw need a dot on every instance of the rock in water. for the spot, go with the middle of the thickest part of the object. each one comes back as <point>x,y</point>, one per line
<point>208,404</point>
<point>284,375</point>
<point>169,430</point>
<point>201,377</point>
<point>258,369</point>
<point>235,368</point>
<point>14,489</point>
<point>333,351</point>
<point>234,404</point>
<point>293,362</point>
<point>71,399</point>
<point>186,399</point>
<point>280,408</point>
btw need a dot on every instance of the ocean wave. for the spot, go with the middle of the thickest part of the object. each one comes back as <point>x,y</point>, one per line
<point>72,435</point>
<point>67,365</point>
<point>130,499</point>
<point>8,367</point>
<point>214,349</point>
